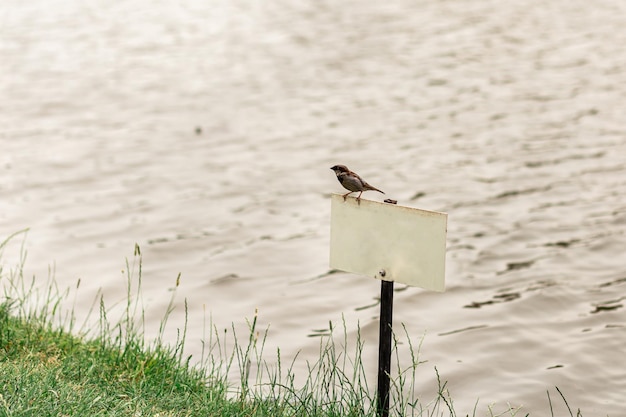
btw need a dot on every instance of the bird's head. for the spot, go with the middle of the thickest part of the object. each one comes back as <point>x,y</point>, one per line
<point>340,169</point>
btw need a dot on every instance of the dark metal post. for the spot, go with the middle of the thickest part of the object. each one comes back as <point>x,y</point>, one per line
<point>384,347</point>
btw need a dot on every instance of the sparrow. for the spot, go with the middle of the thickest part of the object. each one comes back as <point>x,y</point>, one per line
<point>352,182</point>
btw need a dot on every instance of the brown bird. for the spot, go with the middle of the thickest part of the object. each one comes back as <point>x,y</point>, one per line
<point>352,182</point>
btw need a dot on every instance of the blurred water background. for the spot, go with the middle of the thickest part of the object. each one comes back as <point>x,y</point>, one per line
<point>204,132</point>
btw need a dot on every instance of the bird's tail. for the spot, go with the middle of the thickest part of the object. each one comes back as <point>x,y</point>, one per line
<point>369,187</point>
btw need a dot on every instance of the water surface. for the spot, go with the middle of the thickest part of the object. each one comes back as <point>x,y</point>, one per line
<point>203,131</point>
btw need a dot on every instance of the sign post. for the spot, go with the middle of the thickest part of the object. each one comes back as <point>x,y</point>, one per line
<point>394,244</point>
<point>384,347</point>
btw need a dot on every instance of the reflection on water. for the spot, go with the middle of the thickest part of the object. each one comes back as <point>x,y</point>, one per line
<point>203,131</point>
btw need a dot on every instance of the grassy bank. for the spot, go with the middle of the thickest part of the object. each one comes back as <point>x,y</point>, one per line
<point>48,372</point>
<point>49,367</point>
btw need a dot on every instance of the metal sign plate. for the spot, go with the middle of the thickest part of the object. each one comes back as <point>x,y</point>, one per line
<point>388,241</point>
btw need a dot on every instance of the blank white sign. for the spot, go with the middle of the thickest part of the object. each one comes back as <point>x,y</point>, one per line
<point>408,244</point>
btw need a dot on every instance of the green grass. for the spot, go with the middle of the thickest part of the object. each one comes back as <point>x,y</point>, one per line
<point>50,366</point>
<point>51,373</point>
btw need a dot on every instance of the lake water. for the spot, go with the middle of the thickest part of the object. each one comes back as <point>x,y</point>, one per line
<point>204,132</point>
